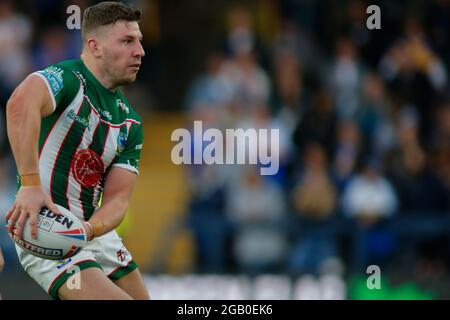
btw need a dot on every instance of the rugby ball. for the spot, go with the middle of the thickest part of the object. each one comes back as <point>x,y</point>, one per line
<point>59,236</point>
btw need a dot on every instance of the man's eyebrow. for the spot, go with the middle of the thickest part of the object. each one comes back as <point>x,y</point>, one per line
<point>132,37</point>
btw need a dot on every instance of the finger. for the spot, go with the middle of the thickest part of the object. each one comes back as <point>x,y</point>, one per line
<point>12,220</point>
<point>9,213</point>
<point>33,225</point>
<point>51,206</point>
<point>21,223</point>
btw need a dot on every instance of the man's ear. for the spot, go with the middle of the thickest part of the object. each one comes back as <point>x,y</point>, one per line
<point>93,47</point>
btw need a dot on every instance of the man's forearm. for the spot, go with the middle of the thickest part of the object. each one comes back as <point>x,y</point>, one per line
<point>110,215</point>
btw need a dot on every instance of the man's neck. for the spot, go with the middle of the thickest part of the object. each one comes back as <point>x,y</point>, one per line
<point>98,74</point>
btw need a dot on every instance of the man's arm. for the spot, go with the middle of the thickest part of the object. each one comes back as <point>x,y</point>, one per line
<point>30,102</point>
<point>119,185</point>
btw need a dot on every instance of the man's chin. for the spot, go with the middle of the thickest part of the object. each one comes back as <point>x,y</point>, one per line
<point>127,80</point>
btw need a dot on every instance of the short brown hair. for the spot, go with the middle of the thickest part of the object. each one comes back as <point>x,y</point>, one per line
<point>108,12</point>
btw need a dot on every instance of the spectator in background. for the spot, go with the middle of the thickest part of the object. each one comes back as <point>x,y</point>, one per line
<point>415,75</point>
<point>318,123</point>
<point>294,40</point>
<point>15,39</point>
<point>440,157</point>
<point>210,94</point>
<point>288,85</point>
<point>241,36</point>
<point>422,56</point>
<point>314,196</point>
<point>287,104</point>
<point>207,216</point>
<point>347,153</point>
<point>256,207</point>
<point>346,75</point>
<point>369,196</point>
<point>260,119</point>
<point>439,27</point>
<point>314,201</point>
<point>368,43</point>
<point>422,194</point>
<point>375,116</point>
<point>369,200</point>
<point>441,134</point>
<point>418,188</point>
<point>15,36</point>
<point>52,47</point>
<point>250,83</point>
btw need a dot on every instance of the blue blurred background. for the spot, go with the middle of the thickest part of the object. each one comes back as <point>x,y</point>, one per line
<point>364,120</point>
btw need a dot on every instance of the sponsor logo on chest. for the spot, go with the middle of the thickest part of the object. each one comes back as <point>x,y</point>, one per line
<point>83,121</point>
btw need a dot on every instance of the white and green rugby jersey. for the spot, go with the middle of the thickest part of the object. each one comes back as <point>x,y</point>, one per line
<point>90,130</point>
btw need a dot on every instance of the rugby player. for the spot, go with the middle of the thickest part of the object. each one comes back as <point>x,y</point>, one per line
<point>74,137</point>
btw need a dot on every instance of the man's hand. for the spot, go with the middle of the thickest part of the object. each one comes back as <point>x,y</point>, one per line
<point>29,201</point>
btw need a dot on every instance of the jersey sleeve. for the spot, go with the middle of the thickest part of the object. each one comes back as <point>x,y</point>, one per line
<point>129,154</point>
<point>62,84</point>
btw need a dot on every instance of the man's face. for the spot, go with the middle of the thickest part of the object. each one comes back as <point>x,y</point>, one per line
<point>121,52</point>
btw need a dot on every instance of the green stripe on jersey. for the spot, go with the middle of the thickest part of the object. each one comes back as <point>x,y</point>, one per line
<point>97,145</point>
<point>61,169</point>
<point>47,124</point>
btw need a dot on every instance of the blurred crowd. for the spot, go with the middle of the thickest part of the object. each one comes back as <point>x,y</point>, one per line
<point>363,116</point>
<point>364,120</point>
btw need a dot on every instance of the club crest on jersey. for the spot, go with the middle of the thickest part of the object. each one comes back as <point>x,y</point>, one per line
<point>87,168</point>
<point>121,142</point>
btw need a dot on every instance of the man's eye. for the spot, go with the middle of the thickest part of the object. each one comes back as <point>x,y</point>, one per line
<point>127,41</point>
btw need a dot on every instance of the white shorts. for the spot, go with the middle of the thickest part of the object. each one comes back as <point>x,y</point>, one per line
<point>106,252</point>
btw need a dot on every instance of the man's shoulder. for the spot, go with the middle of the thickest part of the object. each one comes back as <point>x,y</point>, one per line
<point>73,68</point>
<point>62,77</point>
<point>73,64</point>
<point>67,70</point>
<point>65,66</point>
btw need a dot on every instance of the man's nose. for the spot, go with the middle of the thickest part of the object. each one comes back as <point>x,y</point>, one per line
<point>139,50</point>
